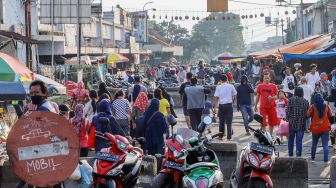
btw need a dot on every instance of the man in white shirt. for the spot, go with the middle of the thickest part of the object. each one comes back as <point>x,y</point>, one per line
<point>288,83</point>
<point>313,76</point>
<point>307,89</point>
<point>225,95</point>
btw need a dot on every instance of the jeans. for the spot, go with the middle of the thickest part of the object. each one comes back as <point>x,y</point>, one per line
<point>325,140</point>
<point>225,114</point>
<point>298,136</point>
<point>247,113</point>
<point>195,117</point>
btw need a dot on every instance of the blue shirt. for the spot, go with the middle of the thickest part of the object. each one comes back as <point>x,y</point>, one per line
<point>244,94</point>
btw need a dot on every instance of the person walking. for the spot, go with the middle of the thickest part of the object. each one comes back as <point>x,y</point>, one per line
<point>267,94</point>
<point>296,115</point>
<point>181,75</point>
<point>103,89</point>
<point>81,124</point>
<point>195,102</point>
<point>331,99</point>
<point>121,111</point>
<point>164,106</point>
<point>288,83</point>
<point>104,110</point>
<point>256,70</point>
<point>244,103</point>
<point>155,127</point>
<point>167,96</point>
<point>313,76</point>
<point>320,126</point>
<point>307,94</point>
<point>225,95</point>
<point>90,108</point>
<point>236,72</point>
<point>183,98</point>
<point>139,107</point>
<point>134,91</point>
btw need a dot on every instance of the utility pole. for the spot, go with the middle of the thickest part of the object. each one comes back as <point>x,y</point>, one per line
<point>79,35</point>
<point>52,36</point>
<point>282,31</point>
<point>101,27</point>
<point>302,22</point>
<point>27,5</point>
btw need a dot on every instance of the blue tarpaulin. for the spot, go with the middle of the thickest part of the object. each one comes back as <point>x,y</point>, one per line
<point>288,57</point>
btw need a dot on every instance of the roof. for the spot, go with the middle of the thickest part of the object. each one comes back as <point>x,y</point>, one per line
<point>299,47</point>
<point>156,38</point>
<point>13,91</point>
<point>18,36</point>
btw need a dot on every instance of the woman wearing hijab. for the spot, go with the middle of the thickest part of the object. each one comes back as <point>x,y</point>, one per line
<point>81,124</point>
<point>320,125</point>
<point>103,110</point>
<point>80,94</point>
<point>155,127</point>
<point>139,108</point>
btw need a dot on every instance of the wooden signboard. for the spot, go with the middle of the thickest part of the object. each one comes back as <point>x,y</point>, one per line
<point>217,5</point>
<point>43,149</point>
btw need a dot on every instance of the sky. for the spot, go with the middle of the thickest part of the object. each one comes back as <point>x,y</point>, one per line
<point>254,29</point>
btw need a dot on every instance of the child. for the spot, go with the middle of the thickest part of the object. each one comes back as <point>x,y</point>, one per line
<point>206,110</point>
<point>281,104</point>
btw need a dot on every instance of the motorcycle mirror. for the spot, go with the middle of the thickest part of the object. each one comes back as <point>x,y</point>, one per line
<point>104,120</point>
<point>207,120</point>
<point>258,118</point>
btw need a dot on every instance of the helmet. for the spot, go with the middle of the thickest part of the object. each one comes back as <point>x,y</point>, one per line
<point>171,120</point>
<point>227,69</point>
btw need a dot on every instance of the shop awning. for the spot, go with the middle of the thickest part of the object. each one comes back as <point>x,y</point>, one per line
<point>13,91</point>
<point>17,36</point>
<point>299,47</point>
<point>288,57</point>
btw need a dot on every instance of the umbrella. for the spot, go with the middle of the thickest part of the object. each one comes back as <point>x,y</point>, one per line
<point>11,69</point>
<point>114,58</point>
<point>13,91</point>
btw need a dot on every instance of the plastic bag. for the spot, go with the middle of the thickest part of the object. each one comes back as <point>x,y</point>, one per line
<point>283,129</point>
<point>76,175</point>
<point>85,180</point>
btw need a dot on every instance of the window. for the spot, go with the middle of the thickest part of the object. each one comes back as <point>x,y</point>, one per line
<point>309,28</point>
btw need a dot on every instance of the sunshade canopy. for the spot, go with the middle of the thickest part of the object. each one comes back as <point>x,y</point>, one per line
<point>11,68</point>
<point>288,57</point>
<point>299,47</point>
<point>114,58</point>
<point>13,91</point>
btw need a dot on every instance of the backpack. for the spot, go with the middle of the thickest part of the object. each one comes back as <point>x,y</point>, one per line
<point>136,91</point>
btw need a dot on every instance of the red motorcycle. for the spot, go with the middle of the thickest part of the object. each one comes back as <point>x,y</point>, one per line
<point>172,169</point>
<point>119,165</point>
<point>255,162</point>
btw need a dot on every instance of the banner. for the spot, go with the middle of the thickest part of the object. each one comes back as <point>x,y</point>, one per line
<point>80,75</point>
<point>140,26</point>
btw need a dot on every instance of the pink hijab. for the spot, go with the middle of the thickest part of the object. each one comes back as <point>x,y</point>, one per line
<point>80,92</point>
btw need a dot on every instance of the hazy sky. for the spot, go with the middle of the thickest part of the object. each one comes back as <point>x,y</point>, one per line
<point>254,29</point>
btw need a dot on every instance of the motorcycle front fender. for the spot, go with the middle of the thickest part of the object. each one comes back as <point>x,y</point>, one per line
<point>262,175</point>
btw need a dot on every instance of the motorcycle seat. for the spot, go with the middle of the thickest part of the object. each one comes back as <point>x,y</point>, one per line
<point>201,164</point>
<point>130,161</point>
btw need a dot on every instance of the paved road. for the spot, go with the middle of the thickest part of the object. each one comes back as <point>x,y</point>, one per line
<point>319,173</point>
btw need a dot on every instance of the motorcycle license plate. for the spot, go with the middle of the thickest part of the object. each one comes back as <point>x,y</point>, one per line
<point>262,149</point>
<point>107,157</point>
<point>173,165</point>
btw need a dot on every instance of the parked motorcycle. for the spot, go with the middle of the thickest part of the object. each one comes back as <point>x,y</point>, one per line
<point>173,161</point>
<point>119,165</point>
<point>202,166</point>
<point>255,162</point>
<point>167,82</point>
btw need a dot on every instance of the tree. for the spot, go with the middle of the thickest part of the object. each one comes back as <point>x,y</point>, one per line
<point>223,35</point>
<point>170,31</point>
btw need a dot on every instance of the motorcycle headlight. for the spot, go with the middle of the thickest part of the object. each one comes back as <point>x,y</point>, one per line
<point>266,163</point>
<point>202,182</point>
<point>253,160</point>
<point>121,145</point>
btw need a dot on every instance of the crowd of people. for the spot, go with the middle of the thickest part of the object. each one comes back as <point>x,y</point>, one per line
<point>305,104</point>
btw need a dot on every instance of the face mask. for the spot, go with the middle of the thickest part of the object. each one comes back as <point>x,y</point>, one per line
<point>37,99</point>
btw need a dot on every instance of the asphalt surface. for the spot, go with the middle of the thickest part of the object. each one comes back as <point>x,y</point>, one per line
<point>319,173</point>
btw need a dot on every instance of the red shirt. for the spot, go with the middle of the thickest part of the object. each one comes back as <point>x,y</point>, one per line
<point>266,90</point>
